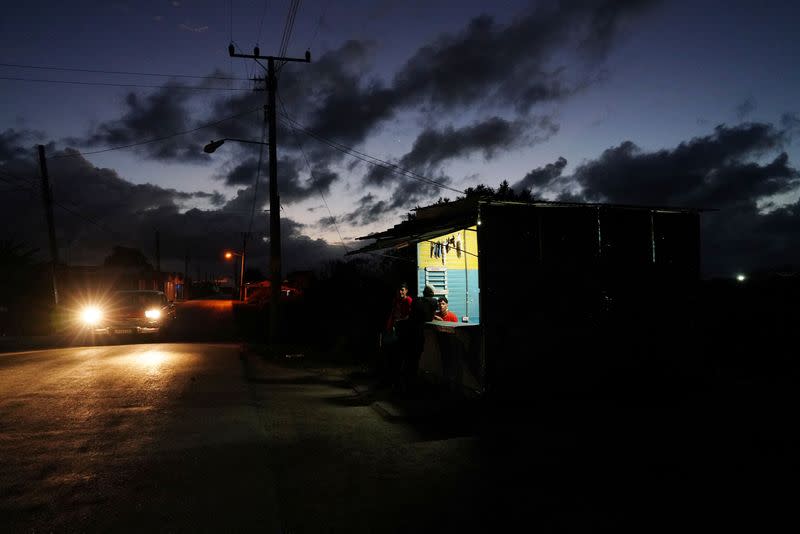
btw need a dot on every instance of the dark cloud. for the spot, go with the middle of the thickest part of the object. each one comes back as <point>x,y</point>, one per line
<point>603,21</point>
<point>159,114</point>
<point>790,121</point>
<point>509,63</point>
<point>369,210</point>
<point>338,97</point>
<point>407,194</point>
<point>292,186</point>
<point>15,144</point>
<point>542,177</point>
<point>433,147</point>
<point>97,209</point>
<point>215,199</point>
<point>710,171</point>
<point>734,169</point>
<point>486,63</point>
<point>410,193</point>
<point>242,174</point>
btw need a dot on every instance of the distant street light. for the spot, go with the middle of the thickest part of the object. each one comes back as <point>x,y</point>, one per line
<point>274,203</point>
<point>229,254</point>
<point>741,277</point>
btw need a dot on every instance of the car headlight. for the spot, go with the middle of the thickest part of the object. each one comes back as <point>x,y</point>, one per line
<point>152,314</point>
<point>91,315</point>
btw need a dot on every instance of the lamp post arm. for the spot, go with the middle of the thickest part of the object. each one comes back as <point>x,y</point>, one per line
<point>246,141</point>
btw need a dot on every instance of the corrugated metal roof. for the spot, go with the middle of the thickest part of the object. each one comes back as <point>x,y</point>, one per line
<point>438,219</point>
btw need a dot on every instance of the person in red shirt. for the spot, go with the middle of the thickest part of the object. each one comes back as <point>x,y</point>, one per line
<point>395,330</point>
<point>401,308</point>
<point>443,314</point>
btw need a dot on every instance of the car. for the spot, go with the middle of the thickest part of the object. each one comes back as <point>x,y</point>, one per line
<point>134,312</point>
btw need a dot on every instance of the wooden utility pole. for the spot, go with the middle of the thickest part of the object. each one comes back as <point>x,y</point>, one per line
<point>274,200</point>
<point>186,276</point>
<point>158,251</point>
<point>47,198</point>
<point>245,235</point>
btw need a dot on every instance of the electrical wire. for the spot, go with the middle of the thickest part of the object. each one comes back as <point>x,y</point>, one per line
<point>176,134</point>
<point>311,174</point>
<point>288,27</point>
<point>108,84</point>
<point>128,73</point>
<point>100,225</point>
<point>258,178</point>
<point>372,160</point>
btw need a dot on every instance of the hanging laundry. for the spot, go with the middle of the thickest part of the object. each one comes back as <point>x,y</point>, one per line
<point>458,246</point>
<point>432,247</point>
<point>444,254</point>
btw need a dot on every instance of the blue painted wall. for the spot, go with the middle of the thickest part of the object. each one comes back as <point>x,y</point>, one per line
<point>460,301</point>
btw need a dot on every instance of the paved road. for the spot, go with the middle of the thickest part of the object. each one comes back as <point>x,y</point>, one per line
<point>204,320</point>
<point>134,437</point>
<point>193,437</point>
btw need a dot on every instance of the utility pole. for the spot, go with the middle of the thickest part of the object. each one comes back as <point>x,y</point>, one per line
<point>274,200</point>
<point>47,198</point>
<point>245,235</point>
<point>158,251</point>
<point>186,276</point>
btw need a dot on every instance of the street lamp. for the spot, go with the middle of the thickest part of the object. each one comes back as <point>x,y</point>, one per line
<point>274,212</point>
<point>211,147</point>
<point>229,254</point>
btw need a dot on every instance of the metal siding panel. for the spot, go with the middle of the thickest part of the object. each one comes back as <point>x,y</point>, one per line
<point>460,302</point>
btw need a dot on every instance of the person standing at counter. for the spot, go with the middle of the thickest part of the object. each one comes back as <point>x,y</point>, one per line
<point>443,314</point>
<point>412,338</point>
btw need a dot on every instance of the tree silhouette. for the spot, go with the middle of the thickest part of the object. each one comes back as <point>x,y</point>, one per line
<point>127,257</point>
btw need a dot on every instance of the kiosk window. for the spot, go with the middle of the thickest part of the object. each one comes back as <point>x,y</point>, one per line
<point>436,277</point>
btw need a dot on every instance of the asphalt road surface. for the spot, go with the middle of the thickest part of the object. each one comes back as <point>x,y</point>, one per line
<point>132,437</point>
<point>197,437</point>
<point>194,437</point>
<point>204,320</point>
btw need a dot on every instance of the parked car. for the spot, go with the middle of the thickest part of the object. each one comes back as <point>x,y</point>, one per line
<point>129,313</point>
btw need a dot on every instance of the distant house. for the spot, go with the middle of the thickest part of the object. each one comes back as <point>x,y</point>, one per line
<point>515,272</point>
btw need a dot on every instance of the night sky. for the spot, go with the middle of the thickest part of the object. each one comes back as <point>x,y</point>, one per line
<point>682,103</point>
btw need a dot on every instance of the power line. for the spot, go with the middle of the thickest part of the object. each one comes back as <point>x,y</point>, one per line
<point>65,208</point>
<point>311,173</point>
<point>129,73</point>
<point>176,134</point>
<point>108,84</point>
<point>288,26</point>
<point>258,178</point>
<point>372,160</point>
